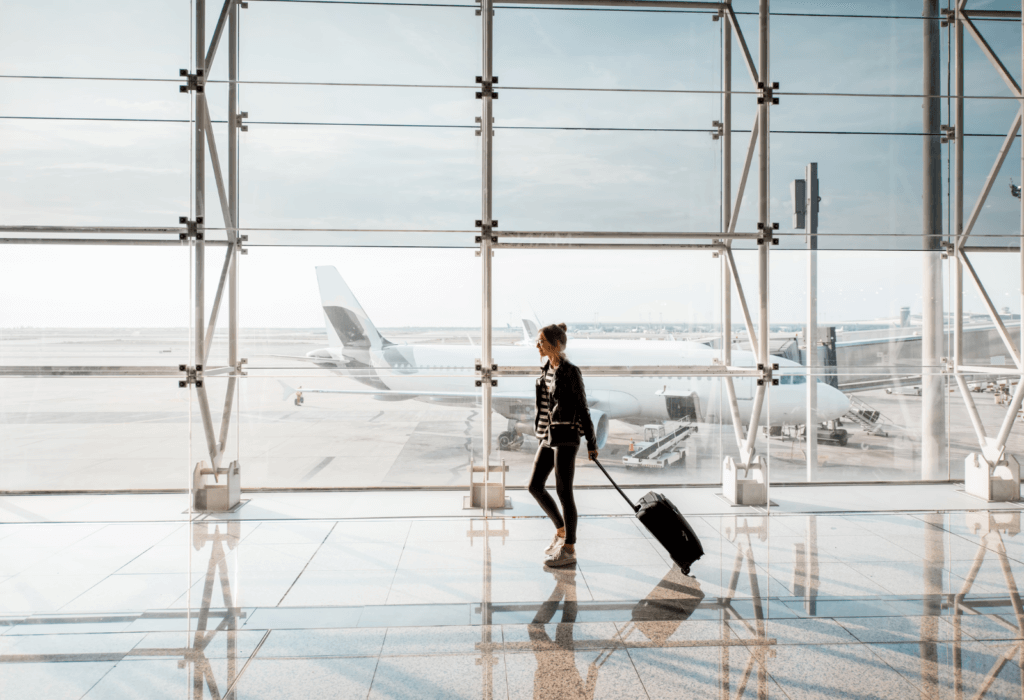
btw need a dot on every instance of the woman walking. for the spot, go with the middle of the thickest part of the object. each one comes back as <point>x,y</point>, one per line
<point>562,417</point>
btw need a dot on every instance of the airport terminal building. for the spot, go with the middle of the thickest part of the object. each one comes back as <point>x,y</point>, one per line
<point>281,374</point>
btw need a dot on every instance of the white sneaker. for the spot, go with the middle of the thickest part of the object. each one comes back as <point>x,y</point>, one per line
<point>561,557</point>
<point>555,544</point>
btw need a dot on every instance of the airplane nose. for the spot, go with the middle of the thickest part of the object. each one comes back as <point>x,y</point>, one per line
<point>837,403</point>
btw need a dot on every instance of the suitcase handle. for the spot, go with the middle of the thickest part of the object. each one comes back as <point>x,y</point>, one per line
<point>621,492</point>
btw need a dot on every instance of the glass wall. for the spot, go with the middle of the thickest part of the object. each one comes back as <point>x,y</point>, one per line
<point>354,171</point>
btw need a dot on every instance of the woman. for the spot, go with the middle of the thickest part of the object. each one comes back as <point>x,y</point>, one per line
<point>562,417</point>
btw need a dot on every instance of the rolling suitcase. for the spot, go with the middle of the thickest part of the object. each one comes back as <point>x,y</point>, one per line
<point>666,523</point>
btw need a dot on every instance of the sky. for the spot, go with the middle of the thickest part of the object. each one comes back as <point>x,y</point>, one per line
<point>401,181</point>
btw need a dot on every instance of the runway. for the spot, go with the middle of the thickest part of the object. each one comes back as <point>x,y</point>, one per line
<point>102,433</point>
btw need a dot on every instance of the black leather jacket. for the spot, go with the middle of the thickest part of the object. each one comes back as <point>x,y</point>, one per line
<point>569,400</point>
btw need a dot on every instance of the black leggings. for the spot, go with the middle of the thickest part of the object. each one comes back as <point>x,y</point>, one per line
<point>563,461</point>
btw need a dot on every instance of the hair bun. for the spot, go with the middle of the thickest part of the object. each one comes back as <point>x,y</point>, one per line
<point>563,326</point>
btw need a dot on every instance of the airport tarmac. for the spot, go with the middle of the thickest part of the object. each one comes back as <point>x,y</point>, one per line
<point>90,433</point>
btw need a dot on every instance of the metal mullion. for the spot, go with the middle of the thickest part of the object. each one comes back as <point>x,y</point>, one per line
<point>177,230</point>
<point>958,189</point>
<point>990,307</point>
<point>729,223</point>
<point>1011,135</point>
<point>88,371</point>
<point>233,207</point>
<point>992,369</point>
<point>621,3</point>
<point>625,234</point>
<point>200,244</point>
<point>642,371</point>
<point>90,241</point>
<point>993,14</point>
<point>486,262</point>
<point>608,246</point>
<point>765,225</point>
<point>990,54</point>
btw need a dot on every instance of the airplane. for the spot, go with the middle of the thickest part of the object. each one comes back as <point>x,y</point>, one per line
<point>445,374</point>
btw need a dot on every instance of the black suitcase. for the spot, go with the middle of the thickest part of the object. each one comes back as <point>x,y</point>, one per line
<point>666,523</point>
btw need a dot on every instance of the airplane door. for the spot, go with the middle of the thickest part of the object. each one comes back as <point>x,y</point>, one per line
<point>684,408</point>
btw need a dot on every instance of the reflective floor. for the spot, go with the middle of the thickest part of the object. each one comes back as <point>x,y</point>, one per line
<point>882,605</point>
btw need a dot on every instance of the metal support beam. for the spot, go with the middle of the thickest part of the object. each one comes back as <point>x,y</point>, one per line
<point>176,230</point>
<point>992,312</point>
<point>990,55</point>
<point>233,208</point>
<point>958,189</point>
<point>229,6</point>
<point>811,219</point>
<point>992,449</point>
<point>751,335</point>
<point>487,154</point>
<point>717,235</point>
<point>735,25</point>
<point>746,171</point>
<point>1004,150</point>
<point>933,394</point>
<point>718,247</point>
<point>728,222</point>
<point>763,195</point>
<point>674,4</point>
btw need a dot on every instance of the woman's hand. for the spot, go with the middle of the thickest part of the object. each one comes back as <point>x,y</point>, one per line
<point>592,455</point>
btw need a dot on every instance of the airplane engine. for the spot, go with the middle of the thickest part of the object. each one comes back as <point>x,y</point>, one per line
<point>600,428</point>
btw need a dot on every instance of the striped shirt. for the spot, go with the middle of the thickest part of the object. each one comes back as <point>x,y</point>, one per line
<point>545,407</point>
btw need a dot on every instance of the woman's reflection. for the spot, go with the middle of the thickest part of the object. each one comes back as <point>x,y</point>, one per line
<point>557,675</point>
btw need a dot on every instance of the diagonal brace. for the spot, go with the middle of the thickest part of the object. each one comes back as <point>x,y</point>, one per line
<point>991,55</point>
<point>1011,135</point>
<point>743,177</point>
<point>742,42</point>
<point>751,336</point>
<point>1000,327</point>
<point>215,41</point>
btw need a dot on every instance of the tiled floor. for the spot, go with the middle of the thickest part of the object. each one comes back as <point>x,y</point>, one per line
<point>856,605</point>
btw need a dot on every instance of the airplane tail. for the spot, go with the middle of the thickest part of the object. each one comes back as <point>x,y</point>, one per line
<point>531,326</point>
<point>348,325</point>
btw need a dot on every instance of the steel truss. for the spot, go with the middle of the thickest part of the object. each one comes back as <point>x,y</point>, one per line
<point>720,242</point>
<point>993,449</point>
<point>227,192</point>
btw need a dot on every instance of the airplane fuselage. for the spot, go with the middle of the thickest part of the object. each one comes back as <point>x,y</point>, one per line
<point>638,399</point>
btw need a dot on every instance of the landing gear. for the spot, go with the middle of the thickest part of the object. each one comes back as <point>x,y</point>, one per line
<point>510,440</point>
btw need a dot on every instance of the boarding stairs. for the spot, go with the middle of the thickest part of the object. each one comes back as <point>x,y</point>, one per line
<point>869,418</point>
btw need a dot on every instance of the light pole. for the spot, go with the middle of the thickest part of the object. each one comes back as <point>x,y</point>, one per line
<point>805,216</point>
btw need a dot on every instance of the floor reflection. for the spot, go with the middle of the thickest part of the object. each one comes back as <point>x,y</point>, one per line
<point>219,538</point>
<point>829,605</point>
